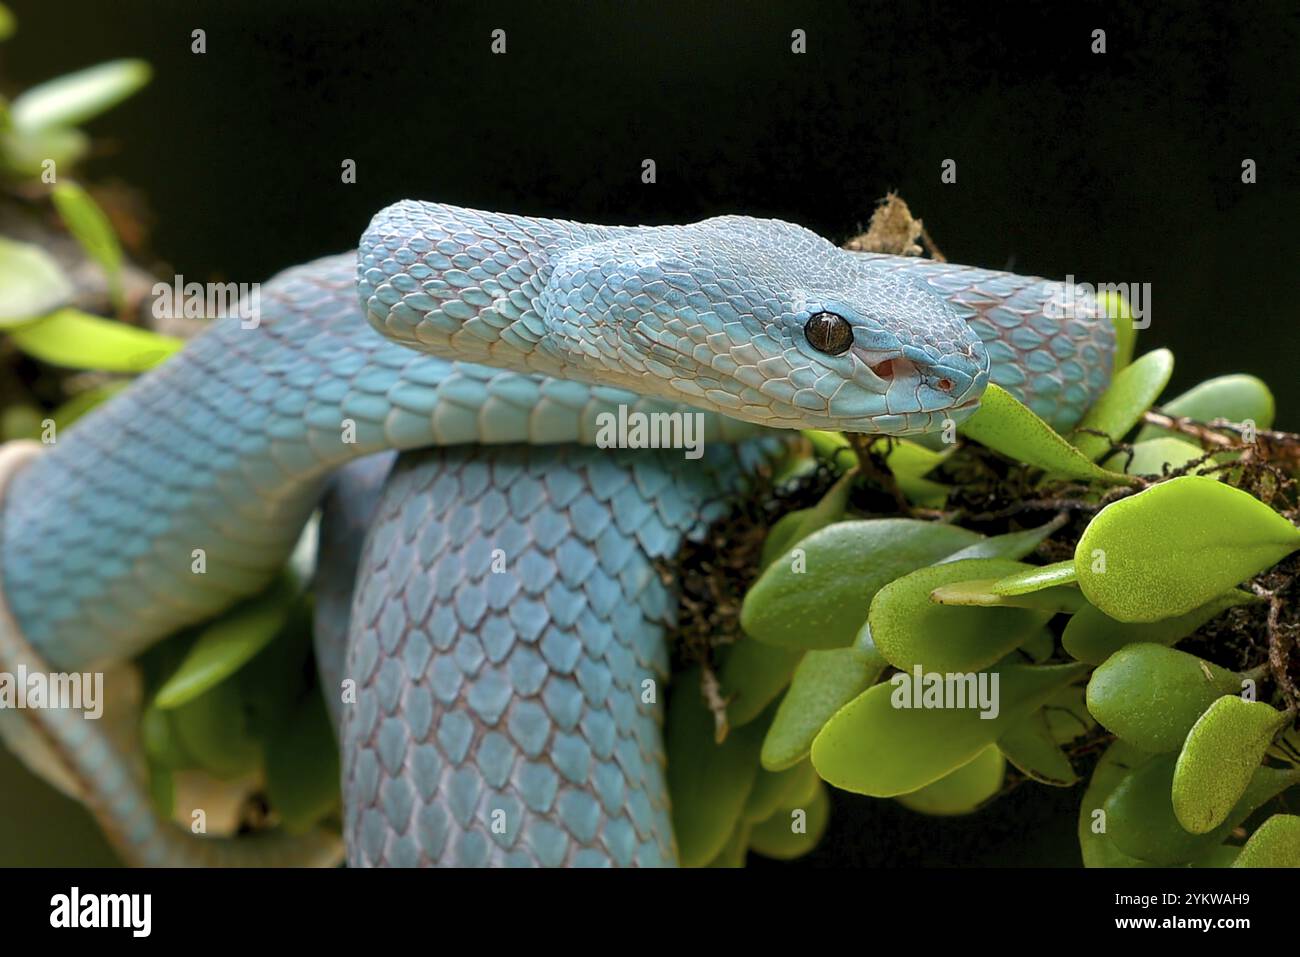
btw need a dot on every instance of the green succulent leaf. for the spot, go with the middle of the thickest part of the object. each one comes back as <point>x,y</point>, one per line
<point>1005,425</point>
<point>753,675</point>
<point>302,767</point>
<point>227,644</point>
<point>793,832</point>
<point>734,851</point>
<point>817,595</point>
<point>910,629</point>
<point>78,340</point>
<point>773,790</point>
<point>212,727</point>
<point>92,230</point>
<point>1275,843</point>
<point>962,791</point>
<point>1151,696</point>
<point>1119,761</point>
<point>1093,636</point>
<point>72,99</point>
<point>1177,545</point>
<point>710,783</point>
<point>25,154</point>
<point>162,791</point>
<point>162,744</point>
<point>1067,715</point>
<point>873,747</point>
<point>794,527</point>
<point>31,283</point>
<point>984,592</point>
<point>1030,746</point>
<point>1117,308</point>
<point>1120,407</point>
<point>824,682</point>
<point>909,462</point>
<point>1140,816</point>
<point>833,447</point>
<point>1221,754</point>
<point>1237,398</point>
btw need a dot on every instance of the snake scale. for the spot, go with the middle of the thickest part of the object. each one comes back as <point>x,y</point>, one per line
<point>493,592</point>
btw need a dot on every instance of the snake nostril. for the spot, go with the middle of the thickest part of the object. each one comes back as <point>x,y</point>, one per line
<point>944,385</point>
<point>885,369</point>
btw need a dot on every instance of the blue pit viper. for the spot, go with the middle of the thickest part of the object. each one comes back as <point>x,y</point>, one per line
<point>493,595</point>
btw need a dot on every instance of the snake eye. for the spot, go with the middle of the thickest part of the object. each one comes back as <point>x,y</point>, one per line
<point>829,333</point>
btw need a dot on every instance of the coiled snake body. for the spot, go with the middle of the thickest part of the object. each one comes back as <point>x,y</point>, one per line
<point>504,611</point>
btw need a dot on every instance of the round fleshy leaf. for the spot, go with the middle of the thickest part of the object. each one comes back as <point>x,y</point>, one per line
<point>709,782</point>
<point>212,728</point>
<point>1113,304</point>
<point>1093,636</point>
<point>871,746</point>
<point>78,340</point>
<point>92,230</point>
<point>1067,715</point>
<point>909,462</point>
<point>72,99</point>
<point>1275,843</point>
<point>793,832</point>
<point>753,675</point>
<point>1237,398</point>
<point>1030,747</point>
<point>32,283</point>
<point>737,847</point>
<point>302,767</point>
<point>774,790</point>
<point>1177,545</point>
<point>1151,695</point>
<point>794,527</point>
<point>817,595</point>
<point>1038,647</point>
<point>227,644</point>
<point>1120,760</point>
<point>1221,754</point>
<point>984,592</point>
<point>962,791</point>
<point>824,682</point>
<point>1140,815</point>
<point>1005,425</point>
<point>162,744</point>
<point>910,629</point>
<point>1131,393</point>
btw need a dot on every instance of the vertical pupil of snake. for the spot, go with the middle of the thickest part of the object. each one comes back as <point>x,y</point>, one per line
<point>829,333</point>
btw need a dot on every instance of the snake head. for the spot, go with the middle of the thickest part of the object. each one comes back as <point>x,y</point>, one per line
<point>767,322</point>
<point>760,320</point>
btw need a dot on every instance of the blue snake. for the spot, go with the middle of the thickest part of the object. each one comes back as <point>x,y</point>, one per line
<point>491,592</point>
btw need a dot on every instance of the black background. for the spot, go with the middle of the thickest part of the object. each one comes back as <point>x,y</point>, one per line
<point>1122,167</point>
